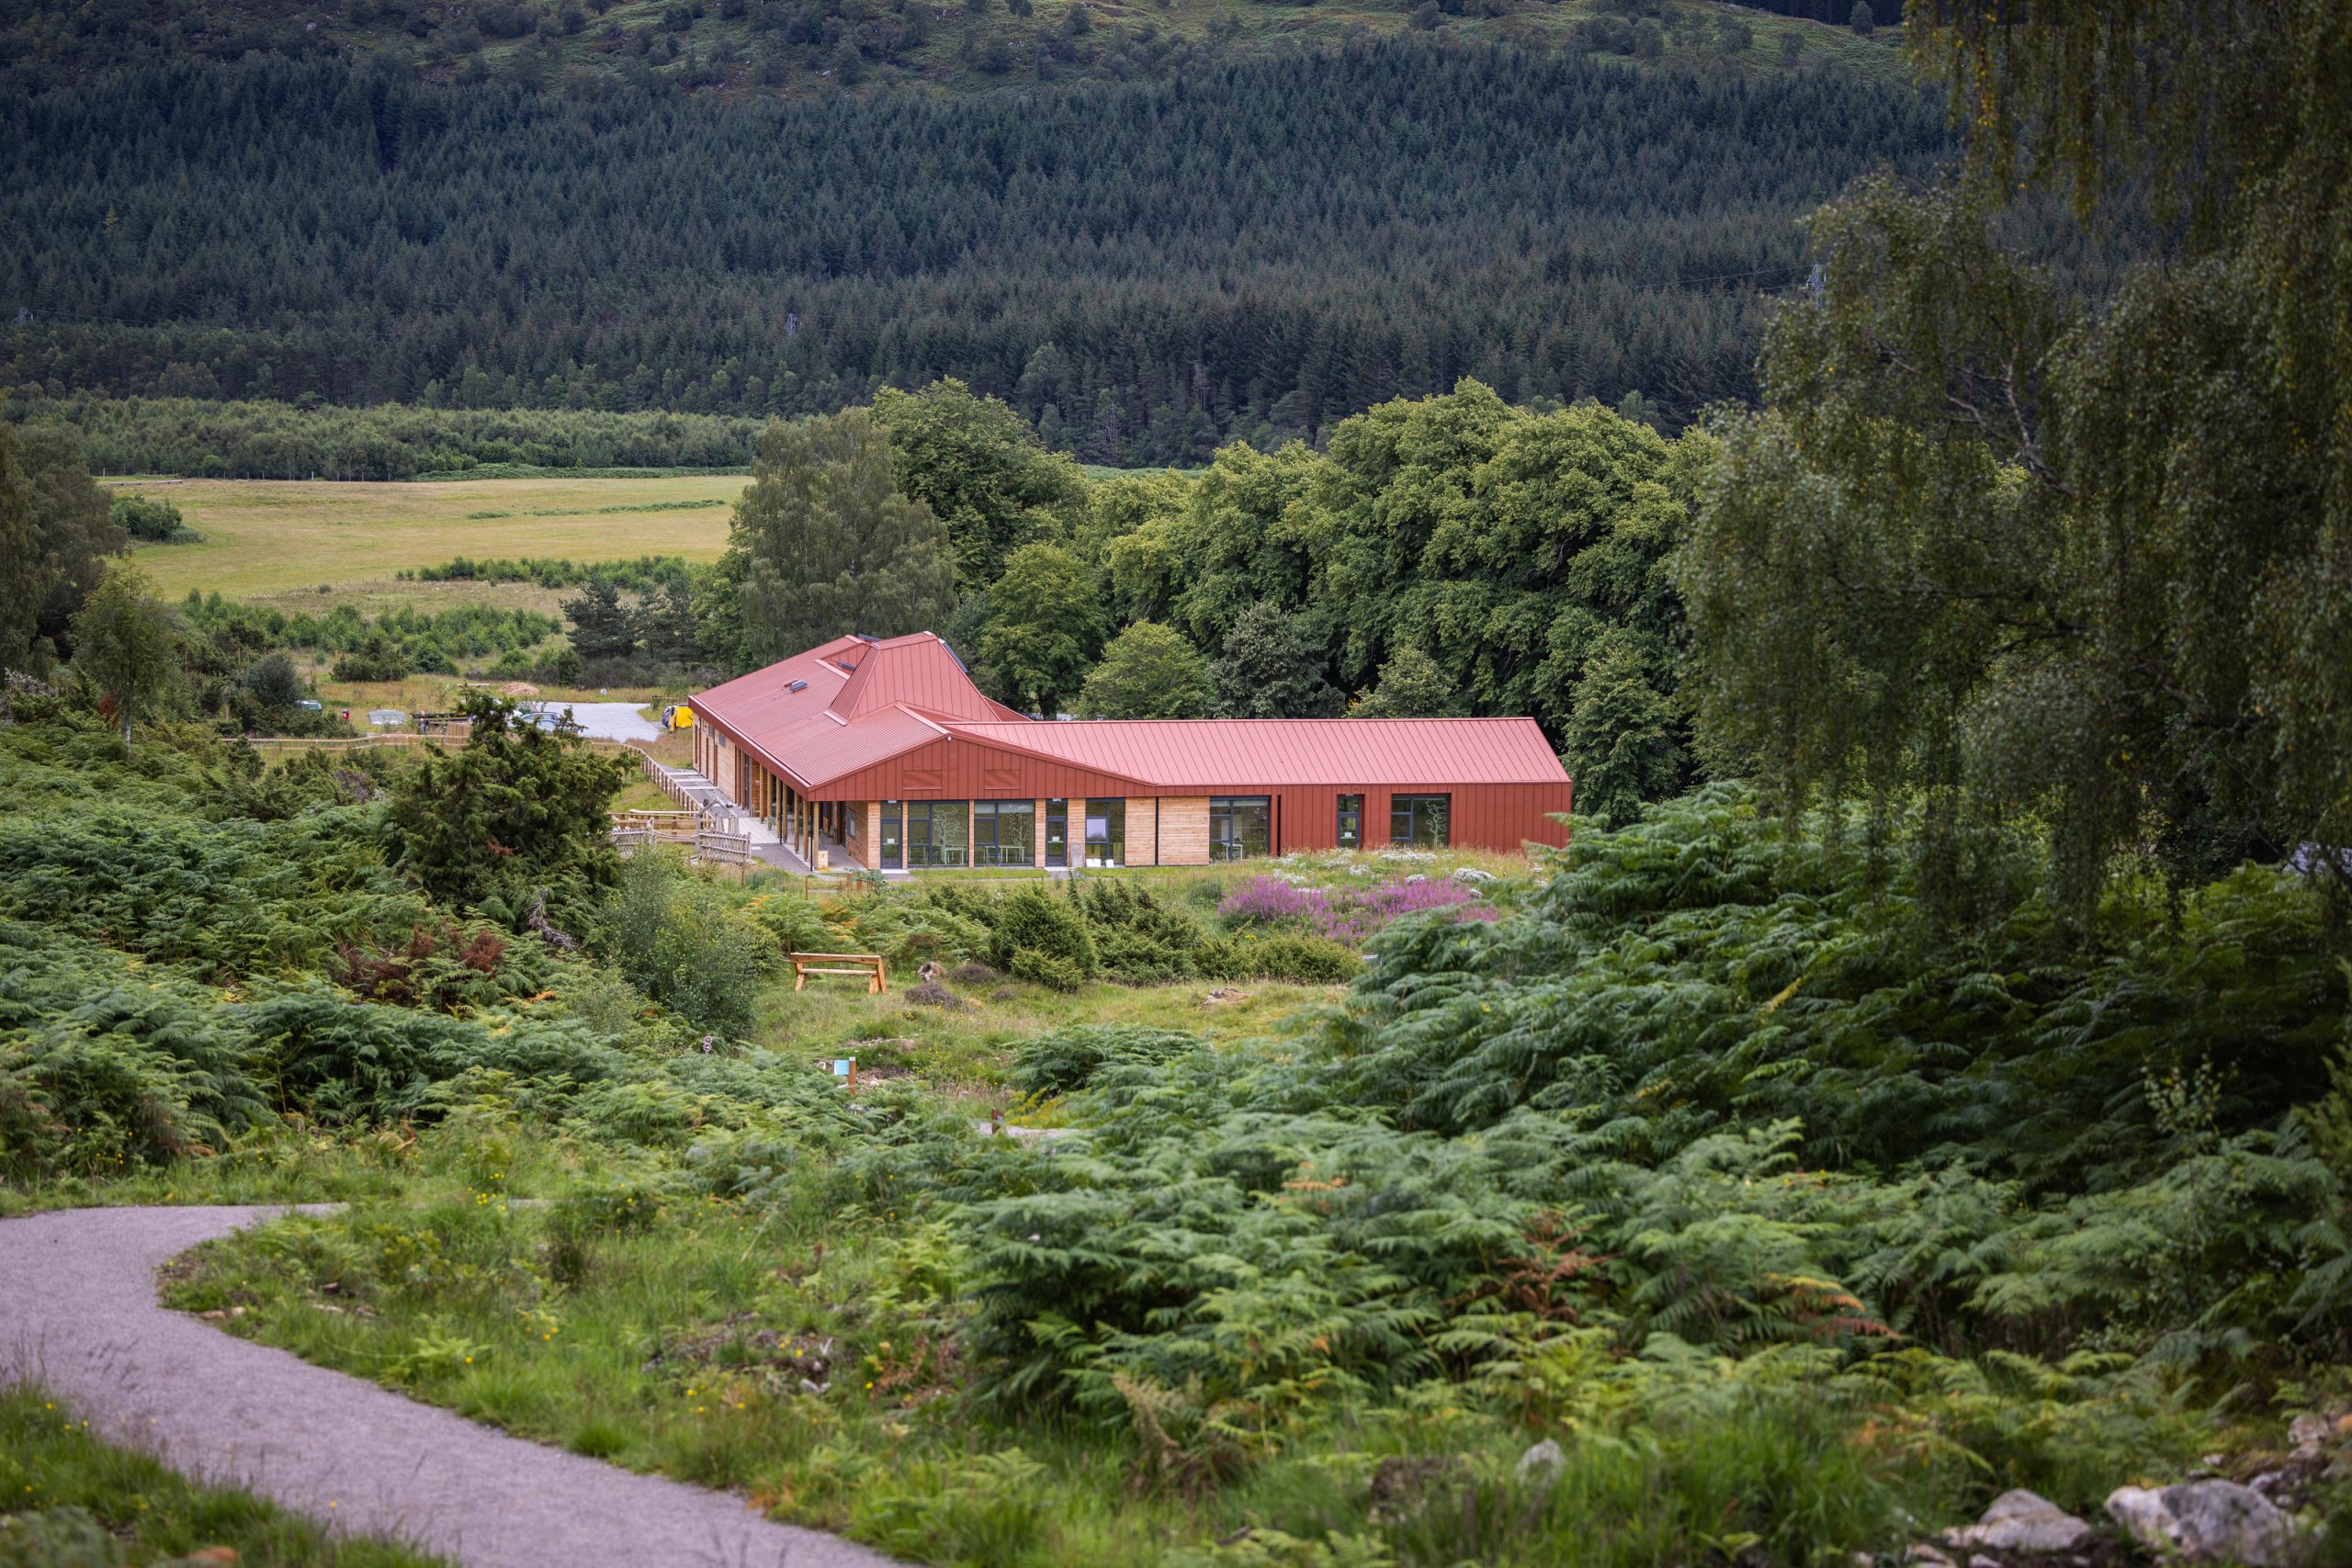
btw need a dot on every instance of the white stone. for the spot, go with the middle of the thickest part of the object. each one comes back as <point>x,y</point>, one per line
<point>1542,1462</point>
<point>2205,1521</point>
<point>2021,1521</point>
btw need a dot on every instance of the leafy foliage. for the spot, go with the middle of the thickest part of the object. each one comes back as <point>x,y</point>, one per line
<point>1894,588</point>
<point>675,938</point>
<point>519,807</point>
<point>824,543</point>
<point>1146,671</point>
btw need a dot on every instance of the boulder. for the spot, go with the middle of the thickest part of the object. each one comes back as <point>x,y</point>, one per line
<point>2205,1521</point>
<point>1543,1463</point>
<point>2023,1522</point>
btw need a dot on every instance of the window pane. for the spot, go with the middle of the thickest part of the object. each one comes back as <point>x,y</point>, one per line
<point>937,832</point>
<point>1351,821</point>
<point>1106,832</point>
<point>1057,832</point>
<point>893,851</point>
<point>1239,826</point>
<point>1004,832</point>
<point>1422,820</point>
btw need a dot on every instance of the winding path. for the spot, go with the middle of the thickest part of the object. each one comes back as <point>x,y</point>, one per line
<point>78,1313</point>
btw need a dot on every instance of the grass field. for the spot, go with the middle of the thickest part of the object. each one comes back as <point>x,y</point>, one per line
<point>278,541</point>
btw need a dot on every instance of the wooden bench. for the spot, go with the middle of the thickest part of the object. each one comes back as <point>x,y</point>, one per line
<point>866,963</point>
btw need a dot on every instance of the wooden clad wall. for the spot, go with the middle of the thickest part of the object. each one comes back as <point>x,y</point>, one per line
<point>1184,830</point>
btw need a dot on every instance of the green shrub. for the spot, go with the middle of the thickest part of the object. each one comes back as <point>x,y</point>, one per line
<point>1067,1059</point>
<point>1050,932</point>
<point>797,924</point>
<point>1281,955</point>
<point>1138,938</point>
<point>909,930</point>
<point>1047,969</point>
<point>678,938</point>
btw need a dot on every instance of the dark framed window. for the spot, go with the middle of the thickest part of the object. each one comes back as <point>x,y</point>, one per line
<point>938,831</point>
<point>1106,832</point>
<point>1350,822</point>
<point>1240,826</point>
<point>1423,820</point>
<point>890,852</point>
<point>1057,832</point>
<point>1004,832</point>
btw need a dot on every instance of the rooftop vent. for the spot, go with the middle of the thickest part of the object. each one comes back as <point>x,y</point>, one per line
<point>797,686</point>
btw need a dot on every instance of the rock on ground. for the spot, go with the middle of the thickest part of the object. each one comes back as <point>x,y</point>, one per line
<point>2021,1521</point>
<point>2205,1521</point>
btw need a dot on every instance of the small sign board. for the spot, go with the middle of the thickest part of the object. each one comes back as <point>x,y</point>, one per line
<point>846,1069</point>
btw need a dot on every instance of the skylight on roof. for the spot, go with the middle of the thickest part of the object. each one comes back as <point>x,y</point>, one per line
<point>797,686</point>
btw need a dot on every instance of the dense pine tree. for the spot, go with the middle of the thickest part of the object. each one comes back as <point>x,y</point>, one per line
<point>1250,248</point>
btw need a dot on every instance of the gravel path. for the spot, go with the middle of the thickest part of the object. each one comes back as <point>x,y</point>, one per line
<point>78,1313</point>
<point>607,721</point>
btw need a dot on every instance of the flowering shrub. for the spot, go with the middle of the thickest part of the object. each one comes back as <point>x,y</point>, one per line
<point>1349,914</point>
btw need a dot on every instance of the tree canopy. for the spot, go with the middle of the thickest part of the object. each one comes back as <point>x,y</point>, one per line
<point>1139,268</point>
<point>824,543</point>
<point>2085,562</point>
<point>1148,672</point>
<point>1045,628</point>
<point>982,469</point>
<point>125,646</point>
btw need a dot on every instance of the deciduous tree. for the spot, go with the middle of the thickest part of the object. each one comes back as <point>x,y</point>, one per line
<point>1044,627</point>
<point>982,471</point>
<point>125,646</point>
<point>824,543</point>
<point>1148,672</point>
<point>2083,563</point>
<point>1412,686</point>
<point>1274,667</point>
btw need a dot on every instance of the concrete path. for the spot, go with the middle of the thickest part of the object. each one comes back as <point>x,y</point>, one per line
<point>78,1313</point>
<point>607,721</point>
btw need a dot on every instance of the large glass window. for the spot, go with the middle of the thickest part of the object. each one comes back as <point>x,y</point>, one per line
<point>1106,832</point>
<point>937,831</point>
<point>1057,832</point>
<point>1240,826</point>
<point>892,850</point>
<point>1004,832</point>
<point>1351,821</point>
<point>1425,821</point>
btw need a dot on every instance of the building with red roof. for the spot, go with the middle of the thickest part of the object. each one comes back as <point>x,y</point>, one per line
<point>886,753</point>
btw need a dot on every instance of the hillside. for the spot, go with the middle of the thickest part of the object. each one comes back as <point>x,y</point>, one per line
<point>824,48</point>
<point>1255,248</point>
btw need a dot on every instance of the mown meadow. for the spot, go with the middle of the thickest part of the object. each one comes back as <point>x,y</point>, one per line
<point>1800,1220</point>
<point>277,542</point>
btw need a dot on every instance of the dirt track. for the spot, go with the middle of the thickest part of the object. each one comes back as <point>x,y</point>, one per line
<point>78,1313</point>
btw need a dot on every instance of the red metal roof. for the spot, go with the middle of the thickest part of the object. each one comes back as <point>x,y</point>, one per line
<point>1205,752</point>
<point>861,702</point>
<point>921,671</point>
